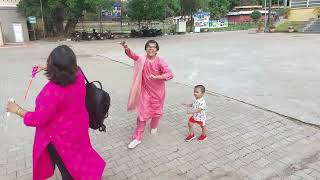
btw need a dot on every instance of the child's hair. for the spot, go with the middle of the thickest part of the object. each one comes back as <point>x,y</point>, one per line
<point>201,87</point>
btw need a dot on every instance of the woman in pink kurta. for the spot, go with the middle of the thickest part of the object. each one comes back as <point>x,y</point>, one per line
<point>62,123</point>
<point>147,93</point>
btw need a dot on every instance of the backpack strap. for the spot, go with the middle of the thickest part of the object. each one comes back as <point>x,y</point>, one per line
<point>84,75</point>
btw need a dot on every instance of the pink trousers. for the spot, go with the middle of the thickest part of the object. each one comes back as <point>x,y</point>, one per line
<point>138,133</point>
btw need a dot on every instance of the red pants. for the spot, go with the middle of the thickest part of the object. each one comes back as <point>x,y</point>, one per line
<point>192,120</point>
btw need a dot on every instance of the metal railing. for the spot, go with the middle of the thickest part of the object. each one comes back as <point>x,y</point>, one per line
<point>304,3</point>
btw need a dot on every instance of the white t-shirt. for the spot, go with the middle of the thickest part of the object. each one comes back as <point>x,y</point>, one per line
<point>200,104</point>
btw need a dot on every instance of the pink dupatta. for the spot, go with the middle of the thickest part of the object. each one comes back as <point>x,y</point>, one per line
<point>135,89</point>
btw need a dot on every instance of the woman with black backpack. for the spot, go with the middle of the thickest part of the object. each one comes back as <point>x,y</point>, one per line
<point>62,122</point>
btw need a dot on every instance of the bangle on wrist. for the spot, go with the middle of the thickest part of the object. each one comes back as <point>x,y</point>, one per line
<point>19,111</point>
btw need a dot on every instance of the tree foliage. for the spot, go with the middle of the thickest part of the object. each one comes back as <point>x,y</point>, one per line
<point>218,8</point>
<point>256,15</point>
<point>55,12</point>
<point>151,10</point>
<point>58,11</point>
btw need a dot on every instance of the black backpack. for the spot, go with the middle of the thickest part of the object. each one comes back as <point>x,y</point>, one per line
<point>97,103</point>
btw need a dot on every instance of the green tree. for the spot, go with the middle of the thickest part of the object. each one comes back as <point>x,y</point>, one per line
<point>155,10</point>
<point>151,10</point>
<point>57,11</point>
<point>188,7</point>
<point>255,16</point>
<point>202,5</point>
<point>137,10</point>
<point>173,8</point>
<point>218,8</point>
<point>52,10</point>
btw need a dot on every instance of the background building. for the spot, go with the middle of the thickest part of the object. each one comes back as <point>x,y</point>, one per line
<point>242,14</point>
<point>13,25</point>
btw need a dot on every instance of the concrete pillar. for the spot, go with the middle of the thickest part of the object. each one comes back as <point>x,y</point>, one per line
<point>1,36</point>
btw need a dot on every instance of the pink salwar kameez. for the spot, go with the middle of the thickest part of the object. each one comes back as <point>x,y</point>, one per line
<point>147,95</point>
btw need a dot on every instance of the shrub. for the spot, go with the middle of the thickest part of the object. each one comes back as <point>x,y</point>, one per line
<point>255,15</point>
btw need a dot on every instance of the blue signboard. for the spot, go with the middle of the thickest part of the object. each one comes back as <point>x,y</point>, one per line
<point>32,19</point>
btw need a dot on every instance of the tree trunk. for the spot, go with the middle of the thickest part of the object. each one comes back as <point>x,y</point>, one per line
<point>59,27</point>
<point>71,25</point>
<point>49,27</point>
<point>191,22</point>
<point>58,21</point>
<point>269,13</point>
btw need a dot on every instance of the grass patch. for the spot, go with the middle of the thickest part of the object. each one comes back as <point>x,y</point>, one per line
<point>235,27</point>
<point>298,26</point>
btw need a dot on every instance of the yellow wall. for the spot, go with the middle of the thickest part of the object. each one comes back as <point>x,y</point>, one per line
<point>302,14</point>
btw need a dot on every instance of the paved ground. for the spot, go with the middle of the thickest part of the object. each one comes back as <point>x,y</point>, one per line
<point>274,71</point>
<point>244,142</point>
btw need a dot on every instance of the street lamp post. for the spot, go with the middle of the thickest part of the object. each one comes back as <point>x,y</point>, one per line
<point>164,21</point>
<point>285,3</point>
<point>121,15</point>
<point>265,15</point>
<point>269,14</point>
<point>44,34</point>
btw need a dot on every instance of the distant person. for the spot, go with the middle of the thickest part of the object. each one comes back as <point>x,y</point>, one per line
<point>197,114</point>
<point>147,93</point>
<point>62,122</point>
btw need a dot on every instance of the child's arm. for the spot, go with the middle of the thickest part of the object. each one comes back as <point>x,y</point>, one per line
<point>195,111</point>
<point>201,107</point>
<point>188,105</point>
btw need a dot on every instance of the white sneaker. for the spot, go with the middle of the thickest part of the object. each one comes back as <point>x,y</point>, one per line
<point>154,131</point>
<point>134,143</point>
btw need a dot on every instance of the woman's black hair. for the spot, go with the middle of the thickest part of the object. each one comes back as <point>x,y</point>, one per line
<point>62,66</point>
<point>151,42</point>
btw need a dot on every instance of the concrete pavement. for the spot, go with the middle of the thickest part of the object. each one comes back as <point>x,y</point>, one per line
<point>244,142</point>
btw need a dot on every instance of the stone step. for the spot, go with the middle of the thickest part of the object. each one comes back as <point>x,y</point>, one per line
<point>314,27</point>
<point>312,31</point>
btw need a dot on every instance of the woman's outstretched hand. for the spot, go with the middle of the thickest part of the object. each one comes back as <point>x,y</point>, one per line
<point>40,68</point>
<point>12,107</point>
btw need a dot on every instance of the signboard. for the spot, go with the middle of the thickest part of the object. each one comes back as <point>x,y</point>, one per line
<point>17,29</point>
<point>218,23</point>
<point>201,19</point>
<point>32,19</point>
<point>116,10</point>
<point>114,14</point>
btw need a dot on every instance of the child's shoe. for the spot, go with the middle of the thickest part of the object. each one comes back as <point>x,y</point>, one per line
<point>202,138</point>
<point>190,137</point>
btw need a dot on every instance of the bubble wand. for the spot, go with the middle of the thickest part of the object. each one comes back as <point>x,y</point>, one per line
<point>33,75</point>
